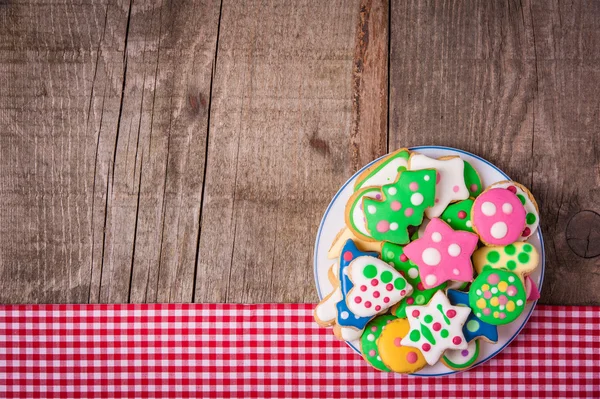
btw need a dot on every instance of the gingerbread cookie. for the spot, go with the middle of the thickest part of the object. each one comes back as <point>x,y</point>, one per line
<point>348,325</point>
<point>402,205</point>
<point>472,180</point>
<point>346,234</point>
<point>520,258</point>
<point>498,217</point>
<point>474,327</point>
<point>458,215</point>
<point>384,171</point>
<point>497,296</point>
<point>398,357</point>
<point>443,254</point>
<point>532,217</point>
<point>355,216</point>
<point>461,359</point>
<point>368,341</point>
<point>394,255</point>
<point>450,181</point>
<point>377,286</point>
<point>436,327</point>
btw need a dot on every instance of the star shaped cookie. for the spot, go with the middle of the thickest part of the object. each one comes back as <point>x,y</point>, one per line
<point>436,327</point>
<point>442,254</point>
<point>450,183</point>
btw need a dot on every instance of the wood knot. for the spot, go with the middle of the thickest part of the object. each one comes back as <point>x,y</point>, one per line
<point>197,103</point>
<point>583,234</point>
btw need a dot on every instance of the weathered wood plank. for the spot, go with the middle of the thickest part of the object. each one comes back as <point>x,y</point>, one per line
<point>278,148</point>
<point>61,67</point>
<point>518,85</point>
<point>153,210</point>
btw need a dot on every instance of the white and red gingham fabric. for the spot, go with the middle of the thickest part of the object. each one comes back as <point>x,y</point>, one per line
<point>256,351</point>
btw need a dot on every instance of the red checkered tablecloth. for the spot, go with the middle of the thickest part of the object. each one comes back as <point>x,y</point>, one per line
<point>256,351</point>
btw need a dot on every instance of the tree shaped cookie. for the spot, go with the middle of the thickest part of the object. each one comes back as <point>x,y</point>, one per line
<point>394,255</point>
<point>403,205</point>
<point>436,327</point>
<point>377,286</point>
<point>443,254</point>
<point>450,180</point>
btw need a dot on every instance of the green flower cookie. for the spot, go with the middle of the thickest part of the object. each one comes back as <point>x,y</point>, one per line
<point>403,205</point>
<point>394,255</point>
<point>368,341</point>
<point>458,215</point>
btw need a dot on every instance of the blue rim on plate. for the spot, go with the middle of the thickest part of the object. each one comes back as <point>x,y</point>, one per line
<point>433,147</point>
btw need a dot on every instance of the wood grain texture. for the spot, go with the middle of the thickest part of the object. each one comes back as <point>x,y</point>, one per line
<point>278,148</point>
<point>518,84</point>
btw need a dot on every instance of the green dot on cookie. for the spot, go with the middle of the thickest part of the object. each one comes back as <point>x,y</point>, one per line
<point>370,271</point>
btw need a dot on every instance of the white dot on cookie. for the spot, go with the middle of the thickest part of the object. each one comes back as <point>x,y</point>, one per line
<point>507,208</point>
<point>436,237</point>
<point>454,250</point>
<point>431,257</point>
<point>392,191</point>
<point>431,280</point>
<point>499,230</point>
<point>488,208</point>
<point>416,199</point>
<point>371,209</point>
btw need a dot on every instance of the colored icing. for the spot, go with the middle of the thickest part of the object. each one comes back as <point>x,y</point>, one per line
<point>497,296</point>
<point>460,359</point>
<point>531,290</point>
<point>450,181</point>
<point>436,327</point>
<point>368,341</point>
<point>474,327</point>
<point>357,323</point>
<point>386,171</point>
<point>396,356</point>
<point>443,254</point>
<point>472,180</point>
<point>520,257</point>
<point>458,215</point>
<point>377,286</point>
<point>490,220</point>
<point>532,218</point>
<point>402,206</point>
<point>346,234</point>
<point>356,218</point>
<point>394,255</point>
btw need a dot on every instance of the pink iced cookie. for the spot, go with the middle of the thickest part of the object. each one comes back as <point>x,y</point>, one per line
<point>498,217</point>
<point>442,254</point>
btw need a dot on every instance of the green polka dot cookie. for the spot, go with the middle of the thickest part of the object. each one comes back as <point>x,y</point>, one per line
<point>368,341</point>
<point>497,296</point>
<point>458,215</point>
<point>520,258</point>
<point>394,255</point>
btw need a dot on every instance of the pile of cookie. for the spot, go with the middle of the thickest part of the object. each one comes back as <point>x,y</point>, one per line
<point>430,262</point>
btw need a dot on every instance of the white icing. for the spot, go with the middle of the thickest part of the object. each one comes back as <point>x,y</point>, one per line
<point>392,191</point>
<point>350,334</point>
<point>507,208</point>
<point>326,310</point>
<point>436,237</point>
<point>431,257</point>
<point>451,173</point>
<point>413,272</point>
<point>488,208</point>
<point>426,178</point>
<point>456,355</point>
<point>378,304</point>
<point>456,272</point>
<point>499,230</point>
<point>371,337</point>
<point>494,290</point>
<point>511,279</point>
<point>393,226</point>
<point>386,175</point>
<point>453,325</point>
<point>454,250</point>
<point>520,302</point>
<point>416,199</point>
<point>371,209</point>
<point>431,279</point>
<point>469,224</point>
<point>344,315</point>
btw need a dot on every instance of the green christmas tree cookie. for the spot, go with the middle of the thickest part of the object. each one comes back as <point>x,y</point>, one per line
<point>458,215</point>
<point>394,255</point>
<point>403,205</point>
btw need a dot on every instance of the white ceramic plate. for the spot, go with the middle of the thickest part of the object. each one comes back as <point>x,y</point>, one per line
<point>333,222</point>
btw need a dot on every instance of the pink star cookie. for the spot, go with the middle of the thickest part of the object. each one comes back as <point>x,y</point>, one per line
<point>442,254</point>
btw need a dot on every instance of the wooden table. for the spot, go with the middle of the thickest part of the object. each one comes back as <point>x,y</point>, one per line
<point>186,151</point>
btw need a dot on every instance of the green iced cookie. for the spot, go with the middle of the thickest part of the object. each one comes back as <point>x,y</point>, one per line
<point>472,180</point>
<point>368,341</point>
<point>458,215</point>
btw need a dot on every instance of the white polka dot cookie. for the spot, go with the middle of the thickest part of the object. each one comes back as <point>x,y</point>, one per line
<point>498,216</point>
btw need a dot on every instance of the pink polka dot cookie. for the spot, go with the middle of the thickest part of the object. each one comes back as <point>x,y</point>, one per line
<point>498,216</point>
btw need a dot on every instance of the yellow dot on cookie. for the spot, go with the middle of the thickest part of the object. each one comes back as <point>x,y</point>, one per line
<point>496,314</point>
<point>494,301</point>
<point>510,306</point>
<point>485,287</point>
<point>502,286</point>
<point>480,303</point>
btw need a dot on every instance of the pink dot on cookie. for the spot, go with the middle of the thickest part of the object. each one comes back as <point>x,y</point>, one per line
<point>396,206</point>
<point>383,226</point>
<point>413,186</point>
<point>411,357</point>
<point>397,341</point>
